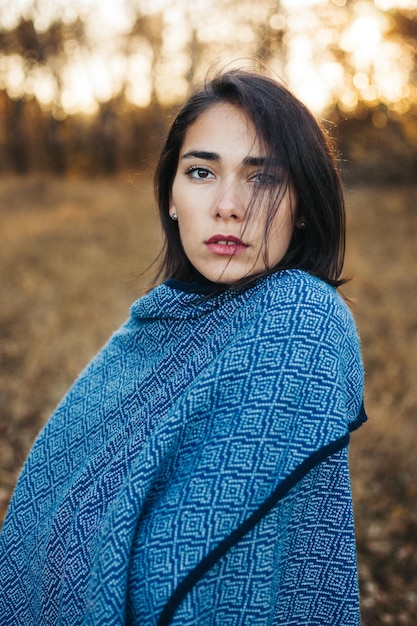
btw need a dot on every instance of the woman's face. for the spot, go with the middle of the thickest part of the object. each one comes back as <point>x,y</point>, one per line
<point>221,164</point>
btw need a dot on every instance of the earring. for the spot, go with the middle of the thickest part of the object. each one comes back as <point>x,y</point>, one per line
<point>174,217</point>
<point>303,225</point>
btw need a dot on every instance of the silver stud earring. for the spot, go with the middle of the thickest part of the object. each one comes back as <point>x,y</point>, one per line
<point>174,217</point>
<point>303,225</point>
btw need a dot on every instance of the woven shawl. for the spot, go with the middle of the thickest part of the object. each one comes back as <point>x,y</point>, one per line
<point>196,472</point>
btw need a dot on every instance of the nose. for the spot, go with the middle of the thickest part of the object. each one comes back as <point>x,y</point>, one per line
<point>230,204</point>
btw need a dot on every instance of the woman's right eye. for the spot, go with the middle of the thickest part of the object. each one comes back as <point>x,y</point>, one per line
<point>199,173</point>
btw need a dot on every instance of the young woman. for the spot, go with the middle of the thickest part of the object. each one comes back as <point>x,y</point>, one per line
<point>196,473</point>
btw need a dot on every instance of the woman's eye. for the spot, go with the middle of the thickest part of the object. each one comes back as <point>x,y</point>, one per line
<point>199,173</point>
<point>265,178</point>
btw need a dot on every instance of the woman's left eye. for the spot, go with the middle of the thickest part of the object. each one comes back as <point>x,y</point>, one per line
<point>264,178</point>
<point>199,173</point>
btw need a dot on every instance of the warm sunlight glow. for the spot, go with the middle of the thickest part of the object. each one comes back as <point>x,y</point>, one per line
<point>187,38</point>
<point>78,95</point>
<point>348,100</point>
<point>139,79</point>
<point>299,4</point>
<point>11,12</point>
<point>361,39</point>
<point>378,69</point>
<point>385,5</point>
<point>392,68</point>
<point>44,86</point>
<point>12,75</point>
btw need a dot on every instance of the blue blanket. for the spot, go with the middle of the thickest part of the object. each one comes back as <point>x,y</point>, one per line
<point>196,472</point>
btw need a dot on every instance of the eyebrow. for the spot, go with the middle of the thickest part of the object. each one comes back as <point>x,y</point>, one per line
<point>261,162</point>
<point>201,154</point>
<point>214,156</point>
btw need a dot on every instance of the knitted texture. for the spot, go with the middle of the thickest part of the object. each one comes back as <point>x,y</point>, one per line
<point>196,472</point>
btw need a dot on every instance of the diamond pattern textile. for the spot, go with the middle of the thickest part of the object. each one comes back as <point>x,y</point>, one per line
<point>196,472</point>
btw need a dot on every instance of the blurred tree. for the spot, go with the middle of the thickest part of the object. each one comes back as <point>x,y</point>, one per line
<point>377,134</point>
<point>106,133</point>
<point>16,135</point>
<point>40,58</point>
<point>347,59</point>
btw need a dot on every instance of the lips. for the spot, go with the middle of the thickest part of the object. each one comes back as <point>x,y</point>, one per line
<point>225,245</point>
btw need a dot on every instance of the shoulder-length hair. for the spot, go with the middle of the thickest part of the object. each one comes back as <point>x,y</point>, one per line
<point>294,138</point>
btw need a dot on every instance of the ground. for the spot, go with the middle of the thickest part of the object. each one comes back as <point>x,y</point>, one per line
<point>75,254</point>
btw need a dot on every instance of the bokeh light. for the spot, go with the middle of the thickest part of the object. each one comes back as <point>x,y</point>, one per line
<point>329,51</point>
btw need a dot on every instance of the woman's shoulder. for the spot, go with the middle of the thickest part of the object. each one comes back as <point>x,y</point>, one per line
<point>296,301</point>
<point>299,288</point>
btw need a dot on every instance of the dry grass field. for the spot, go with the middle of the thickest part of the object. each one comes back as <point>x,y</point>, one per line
<point>72,257</point>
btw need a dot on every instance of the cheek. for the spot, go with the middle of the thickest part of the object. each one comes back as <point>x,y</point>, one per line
<point>281,233</point>
<point>180,200</point>
<point>188,229</point>
<point>177,190</point>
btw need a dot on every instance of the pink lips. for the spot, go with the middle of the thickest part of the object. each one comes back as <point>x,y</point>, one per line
<point>225,245</point>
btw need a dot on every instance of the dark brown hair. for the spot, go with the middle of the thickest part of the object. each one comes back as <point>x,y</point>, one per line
<point>295,139</point>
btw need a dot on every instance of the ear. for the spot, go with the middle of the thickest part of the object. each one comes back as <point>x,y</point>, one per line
<point>301,222</point>
<point>172,208</point>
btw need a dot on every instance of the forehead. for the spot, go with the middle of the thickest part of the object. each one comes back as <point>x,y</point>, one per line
<point>223,128</point>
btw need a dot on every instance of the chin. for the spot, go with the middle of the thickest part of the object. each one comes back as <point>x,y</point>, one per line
<point>226,277</point>
<point>227,274</point>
